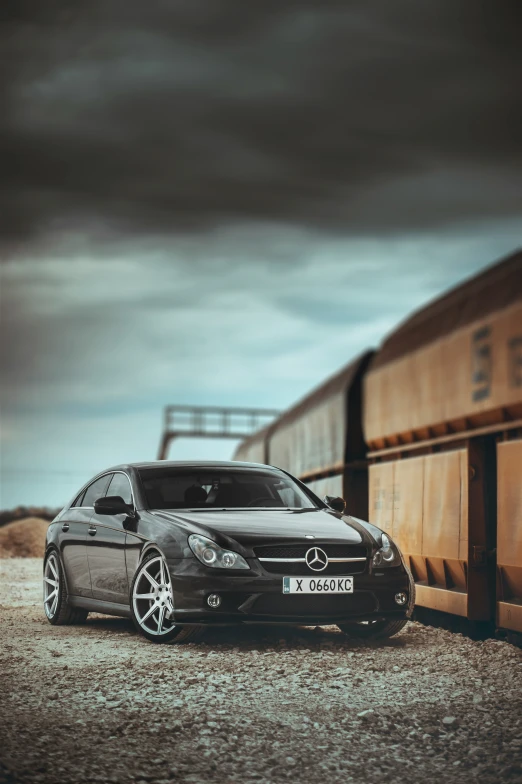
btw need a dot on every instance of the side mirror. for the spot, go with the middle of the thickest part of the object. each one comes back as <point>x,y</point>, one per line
<point>335,503</point>
<point>113,505</point>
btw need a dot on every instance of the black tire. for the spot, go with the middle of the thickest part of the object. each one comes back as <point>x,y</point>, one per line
<point>62,614</point>
<point>174,633</point>
<point>373,630</point>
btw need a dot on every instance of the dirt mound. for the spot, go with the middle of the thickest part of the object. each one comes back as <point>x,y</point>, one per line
<point>23,538</point>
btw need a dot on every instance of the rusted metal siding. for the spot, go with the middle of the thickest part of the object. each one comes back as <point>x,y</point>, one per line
<point>453,373</point>
<point>255,448</point>
<point>330,485</point>
<point>313,442</point>
<point>469,379</point>
<point>351,484</point>
<point>320,439</point>
<point>426,382</point>
<point>509,535</point>
<point>422,502</point>
<point>497,288</point>
<point>323,431</point>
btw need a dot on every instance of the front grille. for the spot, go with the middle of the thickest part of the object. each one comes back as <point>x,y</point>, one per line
<point>287,551</point>
<point>359,603</point>
<point>300,550</point>
<point>282,567</point>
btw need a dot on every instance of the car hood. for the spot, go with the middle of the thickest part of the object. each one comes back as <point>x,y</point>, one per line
<point>250,528</point>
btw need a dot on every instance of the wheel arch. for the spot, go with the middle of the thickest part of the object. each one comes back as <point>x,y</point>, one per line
<point>150,548</point>
<point>48,548</point>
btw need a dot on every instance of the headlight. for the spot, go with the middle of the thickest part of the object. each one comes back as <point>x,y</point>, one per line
<point>388,554</point>
<point>211,554</point>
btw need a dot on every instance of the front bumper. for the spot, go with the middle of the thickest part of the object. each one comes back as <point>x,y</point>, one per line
<point>257,596</point>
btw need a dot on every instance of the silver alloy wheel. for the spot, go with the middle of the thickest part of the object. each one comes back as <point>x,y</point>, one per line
<point>152,597</point>
<point>51,586</point>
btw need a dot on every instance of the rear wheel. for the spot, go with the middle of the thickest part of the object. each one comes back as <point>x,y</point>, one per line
<point>152,603</point>
<point>55,596</point>
<point>372,630</point>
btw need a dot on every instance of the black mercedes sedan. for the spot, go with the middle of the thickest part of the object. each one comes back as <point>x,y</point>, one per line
<point>180,546</point>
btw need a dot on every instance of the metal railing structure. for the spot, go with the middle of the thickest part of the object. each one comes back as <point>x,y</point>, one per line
<point>212,422</point>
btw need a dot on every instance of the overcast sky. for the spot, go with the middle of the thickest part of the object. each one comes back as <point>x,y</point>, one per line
<point>224,202</point>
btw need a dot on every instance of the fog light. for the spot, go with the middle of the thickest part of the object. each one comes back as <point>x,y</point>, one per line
<point>401,598</point>
<point>214,600</point>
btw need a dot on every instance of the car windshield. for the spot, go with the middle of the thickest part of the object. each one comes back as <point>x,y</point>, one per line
<point>206,488</point>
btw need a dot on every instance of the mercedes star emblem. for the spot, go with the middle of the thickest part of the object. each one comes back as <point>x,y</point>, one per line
<point>316,559</point>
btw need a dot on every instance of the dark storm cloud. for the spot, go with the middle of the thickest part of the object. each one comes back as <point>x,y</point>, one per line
<point>160,117</point>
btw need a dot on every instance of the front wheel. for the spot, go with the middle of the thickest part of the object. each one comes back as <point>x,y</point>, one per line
<point>56,604</point>
<point>152,603</point>
<point>372,630</point>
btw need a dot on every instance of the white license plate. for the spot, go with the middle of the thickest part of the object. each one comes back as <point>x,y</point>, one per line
<point>317,584</point>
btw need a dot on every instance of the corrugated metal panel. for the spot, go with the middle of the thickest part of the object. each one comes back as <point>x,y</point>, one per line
<point>509,534</point>
<point>323,431</point>
<point>422,502</point>
<point>445,509</point>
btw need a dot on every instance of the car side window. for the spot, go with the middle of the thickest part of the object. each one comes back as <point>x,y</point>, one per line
<point>78,500</point>
<point>120,485</point>
<point>95,490</point>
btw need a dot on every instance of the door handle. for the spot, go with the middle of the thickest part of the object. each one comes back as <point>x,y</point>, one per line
<point>92,531</point>
<point>65,527</point>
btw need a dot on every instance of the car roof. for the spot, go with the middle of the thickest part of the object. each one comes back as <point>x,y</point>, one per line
<point>194,464</point>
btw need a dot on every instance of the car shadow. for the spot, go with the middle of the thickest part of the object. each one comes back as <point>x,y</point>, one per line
<point>109,623</point>
<point>297,636</point>
<point>258,636</point>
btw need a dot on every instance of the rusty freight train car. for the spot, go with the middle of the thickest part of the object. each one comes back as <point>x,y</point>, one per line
<point>443,424</point>
<point>424,438</point>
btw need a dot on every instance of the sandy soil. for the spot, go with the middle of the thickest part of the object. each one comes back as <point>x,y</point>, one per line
<point>24,538</point>
<point>100,704</point>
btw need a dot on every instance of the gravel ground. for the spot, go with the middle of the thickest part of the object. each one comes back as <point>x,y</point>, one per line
<point>100,704</point>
